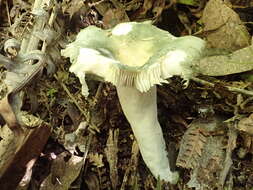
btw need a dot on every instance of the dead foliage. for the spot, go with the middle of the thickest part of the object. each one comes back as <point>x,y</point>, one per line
<point>53,138</point>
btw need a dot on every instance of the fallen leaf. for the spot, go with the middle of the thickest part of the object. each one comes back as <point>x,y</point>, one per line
<point>65,169</point>
<point>220,65</point>
<point>71,7</point>
<point>191,147</point>
<point>224,28</point>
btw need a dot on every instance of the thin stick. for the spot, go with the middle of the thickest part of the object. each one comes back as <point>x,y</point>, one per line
<point>232,89</point>
<point>72,97</point>
<point>8,13</point>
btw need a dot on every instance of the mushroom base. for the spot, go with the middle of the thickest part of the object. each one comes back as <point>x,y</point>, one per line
<point>140,110</point>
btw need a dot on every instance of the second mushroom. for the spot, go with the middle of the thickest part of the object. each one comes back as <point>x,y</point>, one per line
<point>135,57</point>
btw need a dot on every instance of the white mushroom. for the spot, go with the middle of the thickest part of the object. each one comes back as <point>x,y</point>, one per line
<point>135,57</point>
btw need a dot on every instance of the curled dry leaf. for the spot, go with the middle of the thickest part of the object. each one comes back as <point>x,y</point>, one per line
<point>12,47</point>
<point>18,75</point>
<point>156,6</point>
<point>73,113</point>
<point>24,183</point>
<point>228,162</point>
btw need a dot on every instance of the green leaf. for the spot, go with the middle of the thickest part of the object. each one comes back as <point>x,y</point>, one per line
<point>189,2</point>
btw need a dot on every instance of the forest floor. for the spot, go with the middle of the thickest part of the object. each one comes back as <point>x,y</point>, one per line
<point>207,127</point>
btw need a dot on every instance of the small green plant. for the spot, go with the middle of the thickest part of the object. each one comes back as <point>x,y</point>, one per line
<point>136,186</point>
<point>189,2</point>
<point>159,184</point>
<point>51,92</point>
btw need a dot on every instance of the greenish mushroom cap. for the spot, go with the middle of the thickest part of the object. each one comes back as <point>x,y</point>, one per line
<point>132,54</point>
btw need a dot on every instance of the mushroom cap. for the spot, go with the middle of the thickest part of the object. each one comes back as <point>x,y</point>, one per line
<point>133,54</point>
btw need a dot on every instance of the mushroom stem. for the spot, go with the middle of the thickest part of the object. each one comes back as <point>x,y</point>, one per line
<point>140,110</point>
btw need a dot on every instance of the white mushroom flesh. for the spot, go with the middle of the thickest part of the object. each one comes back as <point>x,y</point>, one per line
<point>135,57</point>
<point>140,110</point>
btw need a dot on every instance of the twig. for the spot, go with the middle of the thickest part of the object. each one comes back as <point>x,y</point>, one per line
<point>30,41</point>
<point>99,91</point>
<point>50,24</point>
<point>232,89</point>
<point>228,160</point>
<point>8,13</point>
<point>246,102</point>
<point>96,3</point>
<point>86,115</point>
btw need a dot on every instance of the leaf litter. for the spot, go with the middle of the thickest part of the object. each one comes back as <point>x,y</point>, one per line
<point>90,143</point>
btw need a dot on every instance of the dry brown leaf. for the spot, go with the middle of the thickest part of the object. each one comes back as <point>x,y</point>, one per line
<point>71,7</point>
<point>206,173</point>
<point>18,75</point>
<point>64,171</point>
<point>203,152</point>
<point>224,28</point>
<point>142,11</point>
<point>132,168</point>
<point>92,182</point>
<point>158,8</point>
<point>246,125</point>
<point>111,152</point>
<point>191,147</point>
<point>113,17</point>
<point>96,159</point>
<point>76,139</point>
<point>19,152</point>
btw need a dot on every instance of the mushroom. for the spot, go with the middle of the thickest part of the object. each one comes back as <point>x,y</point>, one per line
<point>135,57</point>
